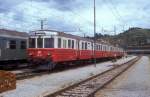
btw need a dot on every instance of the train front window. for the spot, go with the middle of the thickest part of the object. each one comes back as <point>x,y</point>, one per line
<point>39,42</point>
<point>49,42</point>
<point>32,43</point>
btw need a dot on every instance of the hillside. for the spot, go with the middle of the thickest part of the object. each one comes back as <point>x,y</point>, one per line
<point>134,37</point>
<point>131,37</point>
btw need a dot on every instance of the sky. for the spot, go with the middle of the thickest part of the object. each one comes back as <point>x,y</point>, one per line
<point>75,16</point>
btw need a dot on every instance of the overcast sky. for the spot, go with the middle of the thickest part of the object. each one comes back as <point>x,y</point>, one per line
<point>74,15</point>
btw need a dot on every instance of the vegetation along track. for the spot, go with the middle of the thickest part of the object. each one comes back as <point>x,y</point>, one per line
<point>88,87</point>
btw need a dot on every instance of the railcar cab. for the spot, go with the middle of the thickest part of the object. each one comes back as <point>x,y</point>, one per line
<point>41,43</point>
<point>47,45</point>
<point>42,39</point>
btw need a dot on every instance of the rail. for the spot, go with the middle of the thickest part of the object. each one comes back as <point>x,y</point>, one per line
<point>88,87</point>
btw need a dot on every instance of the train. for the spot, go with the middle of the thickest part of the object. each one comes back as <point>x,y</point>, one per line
<point>50,47</point>
<point>13,45</point>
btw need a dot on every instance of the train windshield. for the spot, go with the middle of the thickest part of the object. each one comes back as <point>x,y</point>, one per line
<point>49,42</point>
<point>39,42</point>
<point>31,42</point>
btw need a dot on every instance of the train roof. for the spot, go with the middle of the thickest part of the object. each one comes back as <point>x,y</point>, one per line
<point>63,34</point>
<point>59,33</point>
<point>11,33</point>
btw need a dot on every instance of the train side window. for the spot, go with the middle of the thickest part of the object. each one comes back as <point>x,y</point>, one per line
<point>64,44</point>
<point>32,43</point>
<point>59,42</point>
<point>85,45</point>
<point>12,44</point>
<point>92,46</point>
<point>88,46</point>
<point>77,44</point>
<point>100,47</point>
<point>73,44</point>
<point>95,46</point>
<point>69,43</point>
<point>23,45</point>
<point>82,45</point>
<point>49,43</point>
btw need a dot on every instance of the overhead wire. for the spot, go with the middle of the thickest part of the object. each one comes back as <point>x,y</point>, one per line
<point>110,4</point>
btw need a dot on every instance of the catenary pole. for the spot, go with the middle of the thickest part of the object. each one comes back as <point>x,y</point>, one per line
<point>94,32</point>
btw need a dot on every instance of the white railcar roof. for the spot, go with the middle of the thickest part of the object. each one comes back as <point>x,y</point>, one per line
<point>13,34</point>
<point>62,34</point>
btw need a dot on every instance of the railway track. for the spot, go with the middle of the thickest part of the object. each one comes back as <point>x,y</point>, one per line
<point>32,73</point>
<point>88,87</point>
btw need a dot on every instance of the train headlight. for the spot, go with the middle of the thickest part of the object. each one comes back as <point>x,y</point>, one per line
<point>49,54</point>
<point>30,54</point>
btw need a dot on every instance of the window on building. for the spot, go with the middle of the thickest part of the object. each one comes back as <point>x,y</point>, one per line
<point>73,44</point>
<point>49,42</point>
<point>12,44</point>
<point>69,43</point>
<point>59,42</point>
<point>32,43</point>
<point>40,42</point>
<point>23,45</point>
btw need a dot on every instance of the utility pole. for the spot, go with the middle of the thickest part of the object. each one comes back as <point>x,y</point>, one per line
<point>94,32</point>
<point>115,41</point>
<point>123,28</point>
<point>42,23</point>
<point>115,30</point>
<point>102,30</point>
<point>84,34</point>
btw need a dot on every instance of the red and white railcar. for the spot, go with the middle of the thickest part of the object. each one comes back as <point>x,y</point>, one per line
<point>50,47</point>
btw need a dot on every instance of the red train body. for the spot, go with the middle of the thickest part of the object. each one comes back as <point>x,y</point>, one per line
<point>46,46</point>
